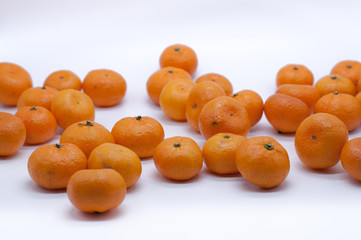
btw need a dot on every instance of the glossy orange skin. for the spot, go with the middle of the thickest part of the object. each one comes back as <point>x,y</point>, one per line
<point>178,158</point>
<point>37,96</point>
<point>348,69</point>
<point>86,135</point>
<point>199,95</point>
<point>14,80</point>
<point>122,159</point>
<point>96,190</point>
<point>351,158</point>
<point>333,83</point>
<point>294,74</point>
<point>319,140</point>
<point>51,166</point>
<point>179,56</point>
<point>260,165</point>
<point>160,78</point>
<point>12,134</point>
<point>105,87</point>
<point>40,124</point>
<point>223,114</point>
<point>253,104</point>
<point>221,80</point>
<point>342,105</point>
<point>72,106</point>
<point>285,113</point>
<point>62,80</point>
<point>139,134</point>
<point>219,152</point>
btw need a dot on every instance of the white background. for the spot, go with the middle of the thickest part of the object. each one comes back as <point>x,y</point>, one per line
<point>246,41</point>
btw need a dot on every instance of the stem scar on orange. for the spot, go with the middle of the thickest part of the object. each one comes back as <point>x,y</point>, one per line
<point>294,74</point>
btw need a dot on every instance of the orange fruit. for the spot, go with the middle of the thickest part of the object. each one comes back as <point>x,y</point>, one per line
<point>105,87</point>
<point>319,140</point>
<point>72,106</point>
<point>51,166</point>
<point>160,78</point>
<point>178,158</point>
<point>223,114</point>
<point>333,83</point>
<point>14,80</point>
<point>86,135</point>
<point>39,122</point>
<point>294,74</point>
<point>348,69</point>
<point>285,113</point>
<point>12,134</point>
<point>173,98</point>
<point>342,105</point>
<point>179,56</point>
<point>62,80</point>
<point>96,190</point>
<point>351,158</point>
<point>263,161</point>
<point>37,96</point>
<point>219,152</point>
<point>140,134</point>
<point>252,102</point>
<point>358,97</point>
<point>222,81</point>
<point>199,95</point>
<point>122,159</point>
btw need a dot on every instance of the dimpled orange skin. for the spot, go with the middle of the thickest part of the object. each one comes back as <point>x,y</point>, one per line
<point>105,87</point>
<point>96,190</point>
<point>62,80</point>
<point>222,81</point>
<point>263,161</point>
<point>294,74</point>
<point>122,159</point>
<point>51,166</point>
<point>86,135</point>
<point>333,83</point>
<point>219,152</point>
<point>348,69</point>
<point>253,104</point>
<point>12,134</point>
<point>14,80</point>
<point>160,78</point>
<point>178,158</point>
<point>38,96</point>
<point>319,140</point>
<point>200,94</point>
<point>140,134</point>
<point>351,158</point>
<point>342,105</point>
<point>223,114</point>
<point>179,56</point>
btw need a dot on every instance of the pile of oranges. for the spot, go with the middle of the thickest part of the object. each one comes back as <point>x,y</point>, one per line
<point>97,165</point>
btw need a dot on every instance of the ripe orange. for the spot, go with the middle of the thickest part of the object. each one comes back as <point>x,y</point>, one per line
<point>348,69</point>
<point>294,74</point>
<point>37,96</point>
<point>358,97</point>
<point>252,102</point>
<point>12,134</point>
<point>333,83</point>
<point>62,80</point>
<point>351,158</point>
<point>222,81</point>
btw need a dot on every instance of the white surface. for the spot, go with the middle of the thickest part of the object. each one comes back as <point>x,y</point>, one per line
<point>247,41</point>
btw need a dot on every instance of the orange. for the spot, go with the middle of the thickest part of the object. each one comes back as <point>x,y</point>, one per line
<point>285,113</point>
<point>333,83</point>
<point>319,140</point>
<point>12,134</point>
<point>358,97</point>
<point>71,106</point>
<point>39,122</point>
<point>342,105</point>
<point>351,158</point>
<point>62,80</point>
<point>105,87</point>
<point>51,166</point>
<point>222,81</point>
<point>178,158</point>
<point>173,98</point>
<point>86,135</point>
<point>263,161</point>
<point>122,159</point>
<point>348,69</point>
<point>160,78</point>
<point>219,152</point>
<point>37,96</point>
<point>96,190</point>
<point>179,56</point>
<point>199,95</point>
<point>223,114</point>
<point>294,74</point>
<point>14,80</point>
<point>252,102</point>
